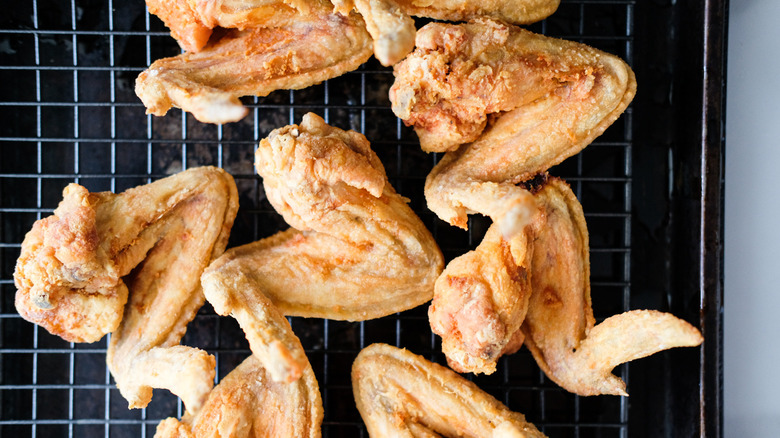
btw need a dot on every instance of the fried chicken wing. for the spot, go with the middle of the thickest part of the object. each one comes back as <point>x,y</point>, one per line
<point>480,301</point>
<point>459,74</point>
<point>77,266</point>
<point>246,403</point>
<point>355,251</point>
<point>165,288</point>
<point>539,281</point>
<point>400,394</point>
<point>559,326</point>
<point>306,50</point>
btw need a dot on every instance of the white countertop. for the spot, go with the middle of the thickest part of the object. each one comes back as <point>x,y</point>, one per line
<point>752,221</point>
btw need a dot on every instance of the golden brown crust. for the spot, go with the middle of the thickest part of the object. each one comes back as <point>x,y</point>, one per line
<point>254,62</point>
<point>247,403</point>
<point>461,73</point>
<point>401,394</point>
<point>558,97</point>
<point>511,11</point>
<point>480,301</point>
<point>194,213</point>
<point>559,327</point>
<point>357,252</point>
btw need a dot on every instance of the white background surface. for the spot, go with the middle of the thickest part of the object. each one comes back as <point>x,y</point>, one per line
<point>752,221</point>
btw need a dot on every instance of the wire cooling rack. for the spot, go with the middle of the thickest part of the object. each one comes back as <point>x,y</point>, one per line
<point>69,114</point>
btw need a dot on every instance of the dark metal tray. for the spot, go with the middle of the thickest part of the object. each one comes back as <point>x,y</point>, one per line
<point>651,188</point>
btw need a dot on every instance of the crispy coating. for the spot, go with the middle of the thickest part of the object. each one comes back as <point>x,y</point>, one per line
<point>540,283</point>
<point>77,266</point>
<point>480,301</point>
<point>306,50</point>
<point>461,73</point>
<point>247,403</point>
<point>237,293</point>
<point>356,250</point>
<point>559,326</point>
<point>400,394</point>
<point>194,210</point>
<point>511,11</point>
<point>361,251</point>
<point>391,28</point>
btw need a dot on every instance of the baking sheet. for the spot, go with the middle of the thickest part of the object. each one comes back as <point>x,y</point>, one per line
<point>70,114</point>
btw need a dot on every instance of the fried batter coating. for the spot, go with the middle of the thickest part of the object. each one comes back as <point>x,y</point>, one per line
<point>77,266</point>
<point>400,394</point>
<point>480,301</point>
<point>306,50</point>
<point>391,28</point>
<point>356,250</point>
<point>461,73</point>
<point>237,293</point>
<point>246,403</point>
<point>559,326</point>
<point>540,283</point>
<point>511,11</point>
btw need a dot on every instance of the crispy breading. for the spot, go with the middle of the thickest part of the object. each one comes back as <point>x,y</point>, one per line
<point>401,394</point>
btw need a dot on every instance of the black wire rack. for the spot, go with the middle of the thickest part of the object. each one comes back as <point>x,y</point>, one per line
<point>67,72</point>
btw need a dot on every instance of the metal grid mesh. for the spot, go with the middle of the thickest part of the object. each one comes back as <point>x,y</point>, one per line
<point>70,115</point>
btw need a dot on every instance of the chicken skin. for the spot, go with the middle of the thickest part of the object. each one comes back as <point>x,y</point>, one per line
<point>355,251</point>
<point>390,24</point>
<point>539,282</point>
<point>152,242</point>
<point>391,28</point>
<point>511,11</point>
<point>246,403</point>
<point>459,74</point>
<point>192,22</point>
<point>401,394</point>
<point>304,50</point>
<point>559,327</point>
<point>480,302</point>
